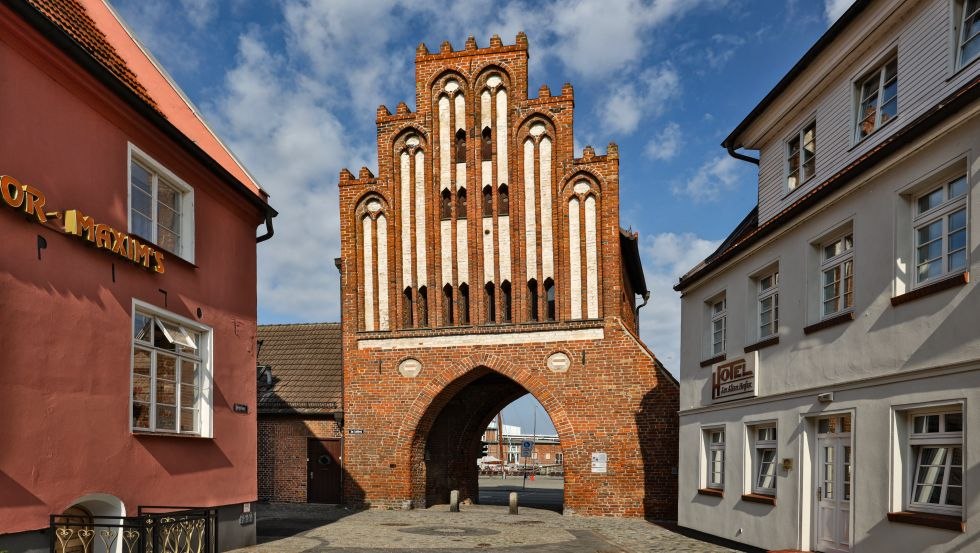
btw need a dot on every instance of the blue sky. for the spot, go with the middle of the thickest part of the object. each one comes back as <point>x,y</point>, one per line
<point>292,87</point>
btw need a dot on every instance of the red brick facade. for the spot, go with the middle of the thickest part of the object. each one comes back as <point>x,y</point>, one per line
<point>404,299</point>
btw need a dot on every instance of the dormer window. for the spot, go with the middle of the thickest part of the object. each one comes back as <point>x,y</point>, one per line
<point>878,99</point>
<point>801,156</point>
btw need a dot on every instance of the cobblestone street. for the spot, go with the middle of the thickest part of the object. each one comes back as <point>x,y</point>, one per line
<point>321,528</point>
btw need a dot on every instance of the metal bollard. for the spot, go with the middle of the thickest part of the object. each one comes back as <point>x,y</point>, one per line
<point>513,503</point>
<point>454,501</point>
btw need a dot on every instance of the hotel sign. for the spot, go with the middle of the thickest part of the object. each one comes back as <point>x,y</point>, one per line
<point>734,379</point>
<point>32,203</point>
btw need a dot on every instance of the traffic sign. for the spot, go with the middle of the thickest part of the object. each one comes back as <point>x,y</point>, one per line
<point>527,446</point>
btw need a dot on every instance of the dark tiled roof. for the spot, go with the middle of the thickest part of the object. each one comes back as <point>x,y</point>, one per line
<point>305,361</point>
<point>70,16</point>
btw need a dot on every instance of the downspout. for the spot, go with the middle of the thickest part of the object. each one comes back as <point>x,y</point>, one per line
<point>743,157</point>
<point>636,312</point>
<point>269,231</point>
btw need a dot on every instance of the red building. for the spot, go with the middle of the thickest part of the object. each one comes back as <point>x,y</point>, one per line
<point>483,262</point>
<point>127,294</point>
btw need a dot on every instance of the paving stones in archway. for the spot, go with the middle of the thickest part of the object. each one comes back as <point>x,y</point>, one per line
<point>477,528</point>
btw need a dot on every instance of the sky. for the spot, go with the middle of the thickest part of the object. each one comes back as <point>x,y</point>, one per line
<point>292,87</point>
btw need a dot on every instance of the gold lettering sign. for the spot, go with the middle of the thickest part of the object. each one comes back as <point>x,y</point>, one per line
<point>31,202</point>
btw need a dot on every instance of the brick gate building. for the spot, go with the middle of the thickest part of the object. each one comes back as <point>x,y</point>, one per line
<point>486,261</point>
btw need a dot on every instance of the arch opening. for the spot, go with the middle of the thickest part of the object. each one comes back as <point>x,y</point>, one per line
<point>449,454</point>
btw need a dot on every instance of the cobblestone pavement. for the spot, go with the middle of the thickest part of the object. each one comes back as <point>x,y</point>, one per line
<point>318,528</point>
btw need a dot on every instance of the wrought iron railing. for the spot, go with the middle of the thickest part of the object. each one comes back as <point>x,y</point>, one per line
<point>152,530</point>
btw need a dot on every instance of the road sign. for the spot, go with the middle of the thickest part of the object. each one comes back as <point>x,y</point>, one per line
<point>527,446</point>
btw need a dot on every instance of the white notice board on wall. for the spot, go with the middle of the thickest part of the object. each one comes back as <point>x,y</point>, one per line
<point>599,461</point>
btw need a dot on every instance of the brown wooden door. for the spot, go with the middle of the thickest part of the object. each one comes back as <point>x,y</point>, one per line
<point>323,471</point>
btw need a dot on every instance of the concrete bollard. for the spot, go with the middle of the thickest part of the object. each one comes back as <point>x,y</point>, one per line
<point>454,501</point>
<point>513,503</point>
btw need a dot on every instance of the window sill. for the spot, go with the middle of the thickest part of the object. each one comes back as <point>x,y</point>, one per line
<point>946,283</point>
<point>965,67</point>
<point>829,322</point>
<point>944,522</point>
<point>861,141</point>
<point>711,361</point>
<point>759,498</point>
<point>771,341</point>
<point>714,492</point>
<point>151,434</point>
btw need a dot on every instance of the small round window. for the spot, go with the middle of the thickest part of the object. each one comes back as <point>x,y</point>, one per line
<point>324,460</point>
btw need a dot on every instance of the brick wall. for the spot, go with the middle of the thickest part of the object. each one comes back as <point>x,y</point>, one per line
<point>282,455</point>
<point>422,431</point>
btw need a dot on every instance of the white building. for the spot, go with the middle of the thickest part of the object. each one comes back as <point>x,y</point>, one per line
<point>831,346</point>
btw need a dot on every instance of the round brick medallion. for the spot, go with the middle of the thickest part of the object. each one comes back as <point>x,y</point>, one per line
<point>558,362</point>
<point>410,368</point>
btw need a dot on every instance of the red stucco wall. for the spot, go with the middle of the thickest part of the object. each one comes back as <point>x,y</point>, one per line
<point>65,324</point>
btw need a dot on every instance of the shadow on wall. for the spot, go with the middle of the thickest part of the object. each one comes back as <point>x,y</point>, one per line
<point>657,423</point>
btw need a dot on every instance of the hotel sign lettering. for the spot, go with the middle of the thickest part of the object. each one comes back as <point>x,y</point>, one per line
<point>734,379</point>
<point>32,203</point>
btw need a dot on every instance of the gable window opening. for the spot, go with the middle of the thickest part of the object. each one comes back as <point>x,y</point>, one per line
<point>968,32</point>
<point>878,100</point>
<point>764,460</point>
<point>719,326</point>
<point>168,376</point>
<point>461,203</point>
<point>549,296</point>
<point>460,150</point>
<point>940,231</point>
<point>769,305</point>
<point>503,201</point>
<point>447,305</point>
<point>936,443</point>
<point>408,310</point>
<point>715,440</point>
<point>160,210</point>
<point>837,270</point>
<point>464,304</point>
<point>423,306</point>
<point>486,146</point>
<point>532,299</point>
<point>445,205</point>
<point>491,302</point>
<point>505,302</point>
<point>487,201</point>
<point>802,156</point>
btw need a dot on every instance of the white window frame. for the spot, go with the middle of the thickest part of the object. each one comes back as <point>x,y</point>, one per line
<point>940,213</point>
<point>711,448</point>
<point>915,442</point>
<point>158,171</point>
<point>770,293</point>
<point>799,138</point>
<point>838,261</point>
<point>559,458</point>
<point>959,27</point>
<point>879,72</point>
<point>205,404</point>
<point>720,318</point>
<point>758,447</point>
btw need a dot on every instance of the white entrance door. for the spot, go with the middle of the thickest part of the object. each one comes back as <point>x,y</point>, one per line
<point>832,485</point>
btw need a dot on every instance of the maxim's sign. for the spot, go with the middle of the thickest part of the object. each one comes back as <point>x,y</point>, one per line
<point>734,379</point>
<point>32,203</point>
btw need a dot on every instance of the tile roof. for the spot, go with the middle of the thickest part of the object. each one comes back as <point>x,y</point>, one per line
<point>307,373</point>
<point>70,16</point>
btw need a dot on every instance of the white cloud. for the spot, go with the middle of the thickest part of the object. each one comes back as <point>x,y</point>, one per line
<point>667,256</point>
<point>714,177</point>
<point>277,122</point>
<point>199,12</point>
<point>629,102</point>
<point>666,144</point>
<point>833,9</point>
